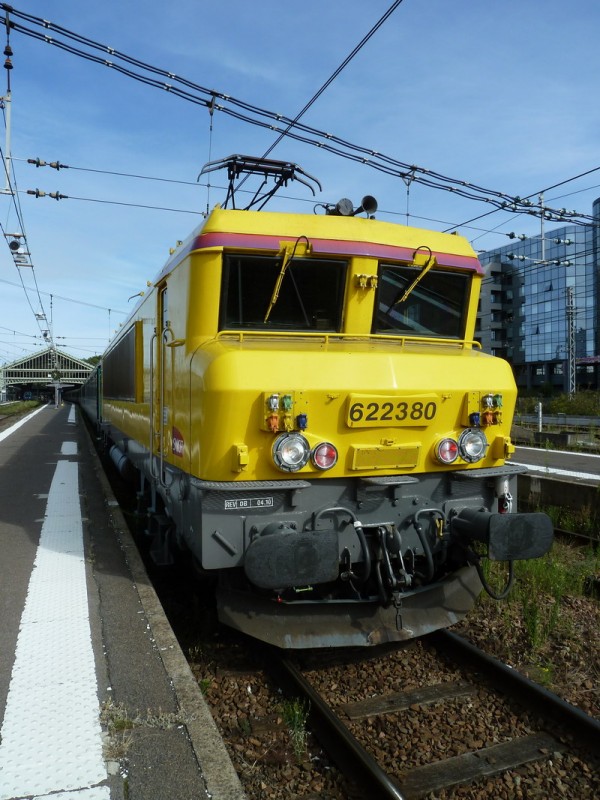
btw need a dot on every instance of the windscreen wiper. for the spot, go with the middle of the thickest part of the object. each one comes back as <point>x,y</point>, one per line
<point>288,252</point>
<point>424,260</point>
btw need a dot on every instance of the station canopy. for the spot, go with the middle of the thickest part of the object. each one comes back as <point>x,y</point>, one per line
<point>49,366</point>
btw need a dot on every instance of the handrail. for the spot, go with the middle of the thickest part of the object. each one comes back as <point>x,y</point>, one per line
<point>163,334</point>
<point>152,433</point>
<point>367,337</point>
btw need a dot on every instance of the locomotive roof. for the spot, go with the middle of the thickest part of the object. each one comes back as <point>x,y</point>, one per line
<point>328,235</point>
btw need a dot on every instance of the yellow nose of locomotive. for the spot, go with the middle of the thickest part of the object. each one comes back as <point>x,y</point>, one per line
<point>322,422</point>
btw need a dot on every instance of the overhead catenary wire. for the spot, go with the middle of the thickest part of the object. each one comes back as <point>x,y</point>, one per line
<point>53,196</point>
<point>57,165</point>
<point>529,314</point>
<point>449,226</point>
<point>38,162</point>
<point>325,85</point>
<point>542,191</point>
<point>185,211</point>
<point>27,290</point>
<point>12,191</point>
<point>71,299</point>
<point>335,73</point>
<point>279,123</point>
<point>212,93</point>
<point>520,268</point>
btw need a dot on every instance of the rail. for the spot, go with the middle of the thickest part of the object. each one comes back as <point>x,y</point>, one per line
<point>358,765</point>
<point>335,736</point>
<point>531,694</point>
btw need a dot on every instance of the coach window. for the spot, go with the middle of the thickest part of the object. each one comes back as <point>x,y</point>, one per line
<point>309,298</point>
<point>435,307</point>
<point>118,371</point>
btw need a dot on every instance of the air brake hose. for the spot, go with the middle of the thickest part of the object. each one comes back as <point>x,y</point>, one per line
<point>366,554</point>
<point>509,582</point>
<point>380,588</point>
<point>426,549</point>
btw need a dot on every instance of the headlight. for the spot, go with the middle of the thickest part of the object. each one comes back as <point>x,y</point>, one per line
<point>291,452</point>
<point>446,451</point>
<point>324,455</point>
<point>472,445</point>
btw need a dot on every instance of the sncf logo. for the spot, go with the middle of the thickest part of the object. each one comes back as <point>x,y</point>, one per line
<point>178,442</point>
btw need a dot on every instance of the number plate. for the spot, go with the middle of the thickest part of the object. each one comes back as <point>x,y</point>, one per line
<point>249,502</point>
<point>374,411</point>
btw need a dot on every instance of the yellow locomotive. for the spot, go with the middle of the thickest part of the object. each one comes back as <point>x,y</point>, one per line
<point>316,427</point>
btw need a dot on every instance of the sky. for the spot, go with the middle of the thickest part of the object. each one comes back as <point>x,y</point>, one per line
<point>499,94</point>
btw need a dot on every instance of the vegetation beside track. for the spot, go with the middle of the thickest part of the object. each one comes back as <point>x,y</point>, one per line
<point>18,407</point>
<point>548,625</point>
<point>12,412</point>
<point>583,404</point>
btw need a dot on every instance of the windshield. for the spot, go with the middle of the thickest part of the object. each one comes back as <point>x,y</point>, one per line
<point>310,296</point>
<point>436,307</point>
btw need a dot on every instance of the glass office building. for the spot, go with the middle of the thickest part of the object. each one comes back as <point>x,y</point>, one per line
<point>539,307</point>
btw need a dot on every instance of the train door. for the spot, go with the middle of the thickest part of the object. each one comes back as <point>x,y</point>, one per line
<point>162,389</point>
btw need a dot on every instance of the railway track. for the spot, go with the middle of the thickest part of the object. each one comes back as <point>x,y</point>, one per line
<point>395,723</point>
<point>545,727</point>
<point>435,719</point>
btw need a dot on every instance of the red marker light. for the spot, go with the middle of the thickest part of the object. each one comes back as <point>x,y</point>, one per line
<point>324,455</point>
<point>446,451</point>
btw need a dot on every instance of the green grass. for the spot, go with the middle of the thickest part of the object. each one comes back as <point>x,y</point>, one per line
<point>295,715</point>
<point>542,583</point>
<point>580,521</point>
<point>18,407</point>
<point>561,571</point>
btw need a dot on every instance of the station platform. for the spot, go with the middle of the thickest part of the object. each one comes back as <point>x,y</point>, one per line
<point>97,701</point>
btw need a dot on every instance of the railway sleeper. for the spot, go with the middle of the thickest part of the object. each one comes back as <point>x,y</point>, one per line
<point>486,762</point>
